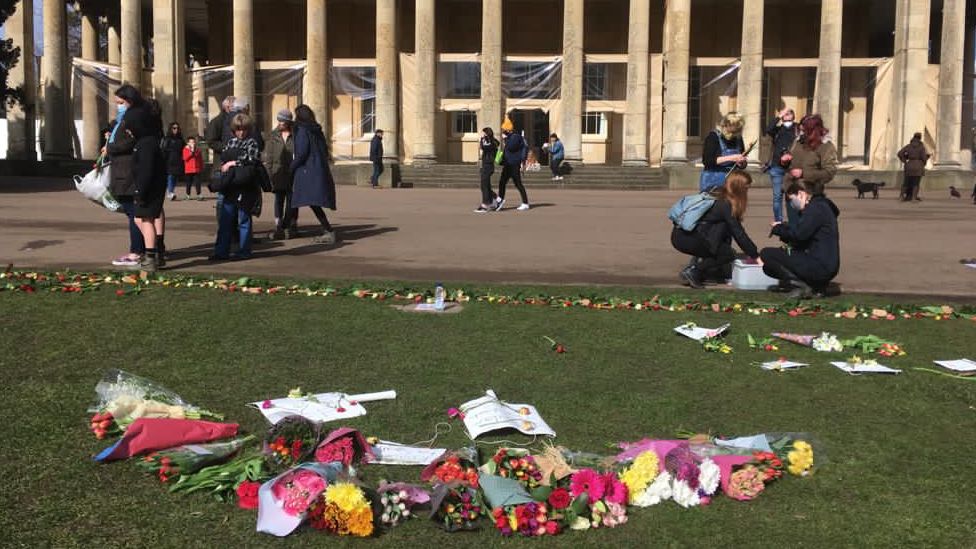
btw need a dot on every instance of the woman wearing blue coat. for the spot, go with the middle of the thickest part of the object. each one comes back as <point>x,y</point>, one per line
<point>312,183</point>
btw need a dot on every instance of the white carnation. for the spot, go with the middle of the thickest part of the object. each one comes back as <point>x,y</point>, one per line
<point>656,492</point>
<point>684,495</point>
<point>708,477</point>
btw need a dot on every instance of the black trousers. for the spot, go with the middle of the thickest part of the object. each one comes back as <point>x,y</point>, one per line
<point>283,209</point>
<point>710,263</point>
<point>192,180</point>
<point>783,266</point>
<point>291,214</point>
<point>513,172</point>
<point>908,190</point>
<point>487,194</point>
<point>554,166</point>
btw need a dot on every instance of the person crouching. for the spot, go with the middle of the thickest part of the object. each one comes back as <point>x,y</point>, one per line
<point>239,162</point>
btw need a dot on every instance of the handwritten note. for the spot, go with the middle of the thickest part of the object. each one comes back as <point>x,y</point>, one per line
<point>488,413</point>
<point>392,453</point>
<point>697,333</point>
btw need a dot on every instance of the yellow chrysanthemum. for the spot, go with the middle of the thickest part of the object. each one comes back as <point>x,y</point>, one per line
<point>640,474</point>
<point>361,522</point>
<point>802,446</point>
<point>348,497</point>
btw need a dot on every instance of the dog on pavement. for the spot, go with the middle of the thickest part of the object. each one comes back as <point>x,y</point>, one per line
<point>864,187</point>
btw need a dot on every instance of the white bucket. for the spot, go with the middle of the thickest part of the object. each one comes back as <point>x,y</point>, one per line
<point>750,276</point>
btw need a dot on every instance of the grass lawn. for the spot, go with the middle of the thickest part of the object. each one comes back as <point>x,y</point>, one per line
<point>899,468</point>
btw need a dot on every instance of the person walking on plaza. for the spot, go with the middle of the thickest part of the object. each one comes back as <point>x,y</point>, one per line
<point>783,131</point>
<point>239,164</point>
<point>489,148</point>
<point>813,159</point>
<point>277,156</point>
<point>722,150</point>
<point>913,156</point>
<point>515,151</point>
<point>119,148</point>
<point>376,157</point>
<point>556,155</point>
<point>710,243</point>
<point>312,183</point>
<point>192,165</point>
<point>172,146</point>
<point>813,258</point>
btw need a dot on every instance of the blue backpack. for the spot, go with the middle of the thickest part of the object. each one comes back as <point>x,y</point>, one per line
<point>688,211</point>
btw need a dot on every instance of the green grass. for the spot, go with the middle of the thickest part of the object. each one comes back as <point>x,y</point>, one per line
<point>898,467</point>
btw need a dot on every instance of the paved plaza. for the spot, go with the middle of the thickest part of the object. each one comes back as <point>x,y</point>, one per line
<point>569,237</point>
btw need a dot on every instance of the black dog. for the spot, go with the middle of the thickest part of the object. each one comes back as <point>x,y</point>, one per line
<point>864,187</point>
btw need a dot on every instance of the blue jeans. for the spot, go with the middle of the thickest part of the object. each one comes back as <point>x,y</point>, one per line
<point>776,174</point>
<point>377,172</point>
<point>171,184</point>
<point>231,215</point>
<point>136,243</point>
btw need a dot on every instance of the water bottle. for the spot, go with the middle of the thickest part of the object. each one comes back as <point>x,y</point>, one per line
<point>439,295</point>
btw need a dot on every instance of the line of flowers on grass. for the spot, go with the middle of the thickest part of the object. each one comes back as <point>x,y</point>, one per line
<point>131,284</point>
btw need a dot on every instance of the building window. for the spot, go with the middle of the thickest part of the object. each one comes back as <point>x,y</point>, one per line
<point>367,115</point>
<point>595,81</point>
<point>465,122</point>
<point>694,102</point>
<point>531,80</point>
<point>594,123</point>
<point>465,80</point>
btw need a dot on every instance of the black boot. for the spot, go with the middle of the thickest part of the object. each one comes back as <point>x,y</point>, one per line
<point>692,277</point>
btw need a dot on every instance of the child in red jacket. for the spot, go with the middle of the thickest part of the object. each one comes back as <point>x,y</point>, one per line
<point>192,165</point>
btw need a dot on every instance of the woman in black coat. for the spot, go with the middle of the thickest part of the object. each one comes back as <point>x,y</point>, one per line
<point>813,259</point>
<point>312,183</point>
<point>173,145</point>
<point>489,148</point>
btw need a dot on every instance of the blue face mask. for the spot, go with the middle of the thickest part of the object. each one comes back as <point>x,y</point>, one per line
<point>121,108</point>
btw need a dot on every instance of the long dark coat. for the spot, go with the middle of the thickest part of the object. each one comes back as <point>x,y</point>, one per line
<point>312,183</point>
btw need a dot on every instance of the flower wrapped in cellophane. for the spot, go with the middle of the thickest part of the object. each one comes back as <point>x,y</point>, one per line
<point>825,342</point>
<point>122,398</point>
<point>400,501</point>
<point>290,441</point>
<point>516,464</point>
<point>345,445</point>
<point>454,466</point>
<point>695,479</point>
<point>285,501</point>
<point>188,459</point>
<point>343,509</point>
<point>456,506</point>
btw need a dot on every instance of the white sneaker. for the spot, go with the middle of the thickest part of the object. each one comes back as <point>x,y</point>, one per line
<point>171,196</point>
<point>523,207</point>
<point>499,204</point>
<point>559,177</point>
<point>555,178</point>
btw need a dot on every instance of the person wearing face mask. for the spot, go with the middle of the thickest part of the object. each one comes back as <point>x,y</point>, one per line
<point>782,130</point>
<point>119,149</point>
<point>813,159</point>
<point>722,151</point>
<point>813,257</point>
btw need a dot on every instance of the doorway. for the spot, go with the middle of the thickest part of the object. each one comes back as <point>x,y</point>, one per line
<point>533,124</point>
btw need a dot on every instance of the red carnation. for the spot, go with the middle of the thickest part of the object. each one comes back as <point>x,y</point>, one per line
<point>247,494</point>
<point>552,528</point>
<point>559,498</point>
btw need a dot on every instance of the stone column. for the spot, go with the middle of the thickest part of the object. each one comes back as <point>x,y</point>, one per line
<point>827,94</point>
<point>316,89</point>
<point>387,83</point>
<point>571,89</point>
<point>749,100</point>
<point>491,114</point>
<point>425,31</point>
<point>199,98</point>
<point>21,136</point>
<point>677,41</point>
<point>90,125</point>
<point>114,41</point>
<point>910,63</point>
<point>57,129</point>
<point>635,119</point>
<point>131,43</point>
<point>244,51</point>
<point>951,73</point>
<point>168,66</point>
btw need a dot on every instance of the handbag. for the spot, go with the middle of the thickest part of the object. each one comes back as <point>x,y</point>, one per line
<point>499,157</point>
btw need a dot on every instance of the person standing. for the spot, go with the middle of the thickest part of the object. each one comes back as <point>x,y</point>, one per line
<point>312,183</point>
<point>239,162</point>
<point>782,130</point>
<point>376,157</point>
<point>913,156</point>
<point>149,176</point>
<point>515,151</point>
<point>172,146</point>
<point>215,129</point>
<point>119,148</point>
<point>722,151</point>
<point>277,158</point>
<point>192,165</point>
<point>489,148</point>
<point>813,159</point>
<point>556,155</point>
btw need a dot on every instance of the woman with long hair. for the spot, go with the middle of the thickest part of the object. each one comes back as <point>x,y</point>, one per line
<point>119,147</point>
<point>173,145</point>
<point>710,243</point>
<point>813,159</point>
<point>489,148</point>
<point>722,151</point>
<point>312,183</point>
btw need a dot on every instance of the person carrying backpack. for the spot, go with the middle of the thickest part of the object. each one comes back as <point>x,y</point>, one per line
<point>709,240</point>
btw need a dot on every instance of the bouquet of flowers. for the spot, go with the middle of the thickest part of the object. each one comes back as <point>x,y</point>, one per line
<point>346,446</point>
<point>517,464</point>
<point>342,509</point>
<point>399,501</point>
<point>769,465</point>
<point>762,344</point>
<point>799,457</point>
<point>746,483</point>
<point>127,397</point>
<point>451,467</point>
<point>874,344</point>
<point>103,425</point>
<point>599,500</point>
<point>290,442</point>
<point>224,481</point>
<point>527,519</point>
<point>825,342</point>
<point>456,507</point>
<point>285,501</point>
<point>695,479</point>
<point>187,459</point>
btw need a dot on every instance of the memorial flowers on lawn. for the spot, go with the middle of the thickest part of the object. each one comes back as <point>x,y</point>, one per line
<point>290,441</point>
<point>527,519</point>
<point>188,459</point>
<point>343,509</point>
<point>746,483</point>
<point>516,464</point>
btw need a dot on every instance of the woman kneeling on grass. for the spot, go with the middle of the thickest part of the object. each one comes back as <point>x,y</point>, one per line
<point>710,243</point>
<point>813,257</point>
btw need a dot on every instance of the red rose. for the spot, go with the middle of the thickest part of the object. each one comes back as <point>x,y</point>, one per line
<point>559,498</point>
<point>552,528</point>
<point>501,522</point>
<point>247,494</point>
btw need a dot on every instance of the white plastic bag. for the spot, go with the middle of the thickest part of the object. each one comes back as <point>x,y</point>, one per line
<point>94,186</point>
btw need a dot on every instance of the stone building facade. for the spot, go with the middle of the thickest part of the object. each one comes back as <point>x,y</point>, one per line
<point>632,82</point>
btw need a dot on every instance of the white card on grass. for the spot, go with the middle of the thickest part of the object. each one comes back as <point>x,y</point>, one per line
<point>698,333</point>
<point>392,453</point>
<point>489,413</point>
<point>961,365</point>
<point>784,365</point>
<point>854,369</point>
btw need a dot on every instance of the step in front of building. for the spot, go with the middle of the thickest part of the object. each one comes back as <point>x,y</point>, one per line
<point>586,177</point>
